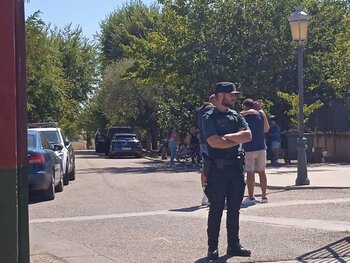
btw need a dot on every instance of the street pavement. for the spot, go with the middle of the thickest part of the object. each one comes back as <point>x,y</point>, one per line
<point>322,175</point>
<point>142,210</point>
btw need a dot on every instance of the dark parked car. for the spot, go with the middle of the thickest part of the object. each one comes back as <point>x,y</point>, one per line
<point>103,142</point>
<point>45,171</point>
<point>125,144</point>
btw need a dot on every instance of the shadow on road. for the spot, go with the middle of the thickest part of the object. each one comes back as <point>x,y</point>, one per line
<point>188,209</point>
<point>36,197</point>
<point>333,252</point>
<point>150,168</point>
<point>222,259</point>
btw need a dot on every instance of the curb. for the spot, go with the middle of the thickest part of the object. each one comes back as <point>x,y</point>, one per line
<point>302,187</point>
<point>154,159</point>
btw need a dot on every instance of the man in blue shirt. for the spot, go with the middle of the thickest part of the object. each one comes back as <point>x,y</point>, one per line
<point>255,151</point>
<point>224,129</point>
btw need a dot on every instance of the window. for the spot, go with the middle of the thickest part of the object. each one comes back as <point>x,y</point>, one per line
<point>63,136</point>
<point>31,141</point>
<point>124,137</point>
<point>52,137</point>
<point>44,143</point>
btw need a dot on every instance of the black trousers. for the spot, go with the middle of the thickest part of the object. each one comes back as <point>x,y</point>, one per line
<point>226,182</point>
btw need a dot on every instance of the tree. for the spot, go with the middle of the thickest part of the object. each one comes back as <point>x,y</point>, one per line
<point>340,80</point>
<point>79,64</point>
<point>45,77</point>
<point>293,101</point>
<point>126,102</point>
<point>135,19</point>
<point>91,118</point>
<point>61,73</point>
<point>194,44</point>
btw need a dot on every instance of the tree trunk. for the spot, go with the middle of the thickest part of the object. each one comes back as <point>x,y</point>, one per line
<point>154,132</point>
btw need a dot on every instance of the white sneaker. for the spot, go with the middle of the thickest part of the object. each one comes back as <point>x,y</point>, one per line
<point>205,201</point>
<point>264,200</point>
<point>248,202</point>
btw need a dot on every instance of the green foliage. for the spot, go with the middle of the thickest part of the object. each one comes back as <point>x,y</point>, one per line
<point>183,48</point>
<point>92,118</point>
<point>327,30</point>
<point>126,102</point>
<point>45,81</point>
<point>293,100</point>
<point>340,80</point>
<point>133,19</point>
<point>159,63</point>
<point>61,73</point>
<point>79,65</point>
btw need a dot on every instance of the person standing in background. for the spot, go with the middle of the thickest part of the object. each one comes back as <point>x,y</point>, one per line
<point>275,140</point>
<point>96,138</point>
<point>255,150</point>
<point>172,144</point>
<point>203,150</point>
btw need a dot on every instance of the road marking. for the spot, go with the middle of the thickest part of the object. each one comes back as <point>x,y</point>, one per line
<point>97,217</point>
<point>334,226</point>
<point>327,225</point>
<point>299,202</point>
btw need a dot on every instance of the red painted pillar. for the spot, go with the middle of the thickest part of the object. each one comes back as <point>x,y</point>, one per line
<point>14,237</point>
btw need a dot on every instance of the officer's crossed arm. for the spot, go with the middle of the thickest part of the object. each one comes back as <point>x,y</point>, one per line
<point>241,136</point>
<point>213,139</point>
<point>228,140</point>
<point>220,142</point>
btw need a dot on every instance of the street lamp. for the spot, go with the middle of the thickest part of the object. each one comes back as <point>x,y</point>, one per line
<point>298,23</point>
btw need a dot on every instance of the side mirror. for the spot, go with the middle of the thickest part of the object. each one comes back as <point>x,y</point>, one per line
<point>57,147</point>
<point>66,142</point>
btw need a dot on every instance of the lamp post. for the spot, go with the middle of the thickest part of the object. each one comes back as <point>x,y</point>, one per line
<point>298,23</point>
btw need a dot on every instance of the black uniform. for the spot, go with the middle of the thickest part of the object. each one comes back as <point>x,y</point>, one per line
<point>225,176</point>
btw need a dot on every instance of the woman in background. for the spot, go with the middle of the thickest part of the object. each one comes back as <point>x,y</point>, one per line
<point>172,144</point>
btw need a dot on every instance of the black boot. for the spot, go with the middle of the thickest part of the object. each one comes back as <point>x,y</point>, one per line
<point>238,250</point>
<point>213,254</point>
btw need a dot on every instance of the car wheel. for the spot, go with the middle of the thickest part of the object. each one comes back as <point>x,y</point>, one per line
<point>59,187</point>
<point>66,176</point>
<point>49,193</point>
<point>72,174</point>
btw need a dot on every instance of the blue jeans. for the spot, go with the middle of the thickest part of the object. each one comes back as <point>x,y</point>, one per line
<point>172,148</point>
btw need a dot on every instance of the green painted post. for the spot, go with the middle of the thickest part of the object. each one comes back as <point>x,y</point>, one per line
<point>14,233</point>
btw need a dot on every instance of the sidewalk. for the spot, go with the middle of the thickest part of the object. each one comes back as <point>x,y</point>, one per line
<point>320,175</point>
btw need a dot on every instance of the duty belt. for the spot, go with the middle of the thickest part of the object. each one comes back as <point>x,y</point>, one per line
<point>219,162</point>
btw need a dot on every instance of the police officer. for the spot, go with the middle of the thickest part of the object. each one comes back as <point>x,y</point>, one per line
<point>224,130</point>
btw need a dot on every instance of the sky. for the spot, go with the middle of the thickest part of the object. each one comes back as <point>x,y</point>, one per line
<point>88,14</point>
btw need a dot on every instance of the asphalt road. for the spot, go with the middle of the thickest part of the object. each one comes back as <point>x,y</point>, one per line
<point>141,210</point>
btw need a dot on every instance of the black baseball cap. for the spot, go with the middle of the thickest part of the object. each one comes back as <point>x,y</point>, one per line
<point>227,87</point>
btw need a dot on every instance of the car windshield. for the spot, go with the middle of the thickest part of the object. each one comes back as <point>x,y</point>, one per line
<point>52,137</point>
<point>31,141</point>
<point>124,138</point>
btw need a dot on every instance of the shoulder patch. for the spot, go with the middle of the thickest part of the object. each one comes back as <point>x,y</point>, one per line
<point>233,112</point>
<point>208,113</point>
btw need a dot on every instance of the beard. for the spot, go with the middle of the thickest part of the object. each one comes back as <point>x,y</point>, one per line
<point>227,103</point>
